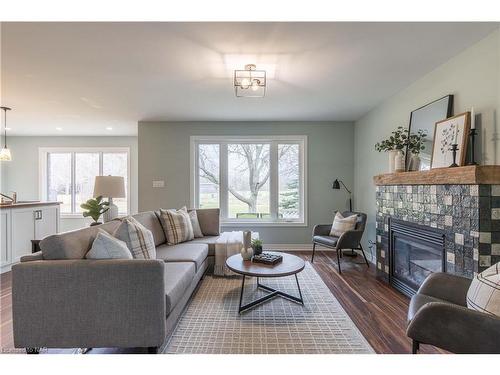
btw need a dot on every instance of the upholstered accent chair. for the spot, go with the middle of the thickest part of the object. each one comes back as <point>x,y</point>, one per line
<point>438,315</point>
<point>348,240</point>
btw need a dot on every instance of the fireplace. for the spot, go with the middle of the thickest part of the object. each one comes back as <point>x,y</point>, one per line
<point>416,251</point>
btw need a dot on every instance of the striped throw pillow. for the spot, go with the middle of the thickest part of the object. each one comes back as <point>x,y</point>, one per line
<point>138,238</point>
<point>343,224</point>
<point>177,225</point>
<point>484,291</point>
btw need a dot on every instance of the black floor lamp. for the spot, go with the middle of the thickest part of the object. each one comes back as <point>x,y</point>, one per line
<point>336,186</point>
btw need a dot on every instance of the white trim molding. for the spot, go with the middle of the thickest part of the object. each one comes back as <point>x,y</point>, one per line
<point>273,141</point>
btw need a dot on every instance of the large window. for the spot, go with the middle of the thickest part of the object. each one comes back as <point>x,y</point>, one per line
<point>251,179</point>
<point>67,175</point>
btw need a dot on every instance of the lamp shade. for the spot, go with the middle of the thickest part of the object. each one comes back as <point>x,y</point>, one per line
<point>109,186</point>
<point>336,185</point>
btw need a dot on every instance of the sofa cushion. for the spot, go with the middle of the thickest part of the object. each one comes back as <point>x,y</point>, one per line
<point>178,278</point>
<point>210,241</point>
<point>326,240</point>
<point>74,244</point>
<point>184,252</point>
<point>417,301</point>
<point>177,225</point>
<point>105,246</point>
<point>138,238</point>
<point>484,291</point>
<point>209,219</point>
<point>152,222</point>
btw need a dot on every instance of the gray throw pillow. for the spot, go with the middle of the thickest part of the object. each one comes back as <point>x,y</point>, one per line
<point>193,215</point>
<point>105,246</point>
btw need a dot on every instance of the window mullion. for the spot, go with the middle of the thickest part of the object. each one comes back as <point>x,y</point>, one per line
<point>223,170</point>
<point>73,190</point>
<point>273,180</point>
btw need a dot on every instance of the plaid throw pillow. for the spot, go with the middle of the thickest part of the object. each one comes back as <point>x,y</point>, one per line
<point>343,224</point>
<point>177,225</point>
<point>484,291</point>
<point>138,238</point>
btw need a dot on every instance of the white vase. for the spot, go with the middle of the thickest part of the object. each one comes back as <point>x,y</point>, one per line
<point>399,161</point>
<point>246,254</point>
<point>392,160</point>
<point>414,164</point>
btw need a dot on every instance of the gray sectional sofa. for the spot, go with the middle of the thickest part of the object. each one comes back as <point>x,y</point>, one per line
<point>62,300</point>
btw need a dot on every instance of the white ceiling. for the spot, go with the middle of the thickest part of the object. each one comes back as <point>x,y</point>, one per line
<point>85,77</point>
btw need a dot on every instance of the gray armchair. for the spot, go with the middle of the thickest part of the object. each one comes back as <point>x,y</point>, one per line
<point>349,240</point>
<point>438,315</point>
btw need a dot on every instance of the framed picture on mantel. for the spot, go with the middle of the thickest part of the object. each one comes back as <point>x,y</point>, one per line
<point>453,130</point>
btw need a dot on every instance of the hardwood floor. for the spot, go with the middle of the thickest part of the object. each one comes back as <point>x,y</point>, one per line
<point>378,310</point>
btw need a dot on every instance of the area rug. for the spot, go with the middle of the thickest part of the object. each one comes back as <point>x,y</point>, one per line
<point>211,323</point>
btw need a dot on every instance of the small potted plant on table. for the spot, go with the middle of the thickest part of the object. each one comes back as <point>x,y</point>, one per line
<point>94,207</point>
<point>257,246</point>
<point>394,145</point>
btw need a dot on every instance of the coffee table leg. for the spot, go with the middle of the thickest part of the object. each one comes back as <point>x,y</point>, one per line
<point>298,287</point>
<point>241,293</point>
<point>273,293</point>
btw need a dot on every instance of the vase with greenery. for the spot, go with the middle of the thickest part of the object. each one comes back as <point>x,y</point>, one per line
<point>416,143</point>
<point>394,145</point>
<point>257,246</point>
<point>94,208</point>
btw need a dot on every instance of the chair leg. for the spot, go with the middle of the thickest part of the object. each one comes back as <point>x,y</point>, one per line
<point>338,259</point>
<point>415,347</point>
<point>364,255</point>
<point>314,248</point>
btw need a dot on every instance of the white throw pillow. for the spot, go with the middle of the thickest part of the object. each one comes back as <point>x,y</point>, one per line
<point>105,246</point>
<point>177,225</point>
<point>196,224</point>
<point>138,238</point>
<point>343,224</point>
<point>484,291</point>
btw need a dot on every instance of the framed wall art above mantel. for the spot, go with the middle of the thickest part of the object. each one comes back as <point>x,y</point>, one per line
<point>454,130</point>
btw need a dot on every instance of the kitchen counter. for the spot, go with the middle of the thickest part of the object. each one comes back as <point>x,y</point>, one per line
<point>24,204</point>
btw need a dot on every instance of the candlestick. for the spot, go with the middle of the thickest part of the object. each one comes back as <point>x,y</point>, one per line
<point>455,139</point>
<point>454,149</point>
<point>472,136</point>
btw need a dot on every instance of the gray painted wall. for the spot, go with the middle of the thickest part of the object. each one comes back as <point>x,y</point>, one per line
<point>21,174</point>
<point>473,78</point>
<point>164,154</point>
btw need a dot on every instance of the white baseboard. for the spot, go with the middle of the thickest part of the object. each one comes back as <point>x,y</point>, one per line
<point>305,247</point>
<point>294,247</point>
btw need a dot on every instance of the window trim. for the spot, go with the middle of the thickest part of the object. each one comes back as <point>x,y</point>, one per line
<point>273,201</point>
<point>42,170</point>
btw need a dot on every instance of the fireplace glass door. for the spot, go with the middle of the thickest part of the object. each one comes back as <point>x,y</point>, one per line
<point>415,255</point>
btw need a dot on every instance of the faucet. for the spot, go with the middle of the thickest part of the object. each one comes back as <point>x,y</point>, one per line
<point>12,199</point>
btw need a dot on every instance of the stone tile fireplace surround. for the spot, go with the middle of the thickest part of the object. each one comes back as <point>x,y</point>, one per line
<point>468,215</point>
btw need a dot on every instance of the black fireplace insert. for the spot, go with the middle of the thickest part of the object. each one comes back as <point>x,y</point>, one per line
<point>415,251</point>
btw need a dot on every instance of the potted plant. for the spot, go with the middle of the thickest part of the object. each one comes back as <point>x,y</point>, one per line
<point>94,207</point>
<point>416,143</point>
<point>257,246</point>
<point>394,145</point>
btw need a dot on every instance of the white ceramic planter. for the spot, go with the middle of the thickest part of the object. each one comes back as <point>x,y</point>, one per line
<point>392,160</point>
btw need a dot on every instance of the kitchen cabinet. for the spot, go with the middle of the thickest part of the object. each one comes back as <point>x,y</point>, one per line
<point>21,223</point>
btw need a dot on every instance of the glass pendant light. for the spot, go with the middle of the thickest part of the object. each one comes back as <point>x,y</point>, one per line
<point>5,153</point>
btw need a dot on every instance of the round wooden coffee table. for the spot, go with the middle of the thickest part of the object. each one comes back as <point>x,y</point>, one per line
<point>290,265</point>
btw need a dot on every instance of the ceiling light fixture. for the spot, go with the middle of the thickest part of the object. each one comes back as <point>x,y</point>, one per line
<point>5,153</point>
<point>109,128</point>
<point>250,83</point>
<point>59,129</point>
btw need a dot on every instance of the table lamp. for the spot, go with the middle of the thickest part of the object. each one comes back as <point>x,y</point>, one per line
<point>110,187</point>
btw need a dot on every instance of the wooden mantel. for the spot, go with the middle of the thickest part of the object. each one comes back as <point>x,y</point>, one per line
<point>469,175</point>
